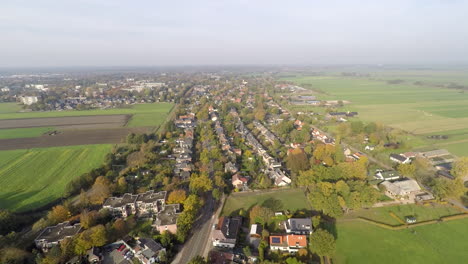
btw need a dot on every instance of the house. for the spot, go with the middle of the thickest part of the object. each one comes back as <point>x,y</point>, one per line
<point>121,206</point>
<point>387,175</point>
<point>230,167</point>
<point>400,159</point>
<point>53,235</point>
<point>298,226</point>
<point>238,181</point>
<point>410,219</point>
<point>401,188</point>
<point>255,231</point>
<point>150,202</point>
<point>435,153</point>
<point>220,257</point>
<point>290,243</point>
<point>29,100</point>
<point>226,231</point>
<point>147,250</point>
<point>424,197</point>
<point>166,220</point>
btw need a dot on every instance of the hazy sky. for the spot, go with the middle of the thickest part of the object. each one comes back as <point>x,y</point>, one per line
<point>175,32</point>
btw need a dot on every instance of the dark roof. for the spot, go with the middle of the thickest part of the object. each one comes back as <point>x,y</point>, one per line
<point>168,216</point>
<point>398,157</point>
<point>230,226</point>
<point>151,196</point>
<point>299,224</point>
<point>121,201</point>
<point>59,232</point>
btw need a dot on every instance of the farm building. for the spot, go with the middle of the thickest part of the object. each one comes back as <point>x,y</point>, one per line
<point>387,175</point>
<point>401,188</point>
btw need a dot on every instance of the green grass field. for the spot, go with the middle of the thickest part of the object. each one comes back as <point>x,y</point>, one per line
<point>147,115</point>
<point>36,177</point>
<point>418,109</point>
<point>23,132</point>
<point>421,212</point>
<point>444,242</point>
<point>9,108</point>
<point>290,199</point>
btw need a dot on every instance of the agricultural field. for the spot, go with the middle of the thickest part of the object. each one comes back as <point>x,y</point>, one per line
<point>23,132</point>
<point>289,199</point>
<point>359,242</point>
<point>421,212</point>
<point>149,115</point>
<point>421,110</point>
<point>33,178</point>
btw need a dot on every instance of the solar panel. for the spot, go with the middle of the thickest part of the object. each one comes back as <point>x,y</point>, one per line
<point>276,240</point>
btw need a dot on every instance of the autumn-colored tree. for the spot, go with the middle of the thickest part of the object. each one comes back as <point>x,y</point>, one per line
<point>460,167</point>
<point>100,190</point>
<point>58,214</point>
<point>136,159</point>
<point>200,183</point>
<point>93,237</point>
<point>192,203</point>
<point>297,160</point>
<point>177,196</point>
<point>407,170</point>
<point>259,214</point>
<point>88,218</point>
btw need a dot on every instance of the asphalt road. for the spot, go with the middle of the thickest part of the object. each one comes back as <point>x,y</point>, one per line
<point>197,243</point>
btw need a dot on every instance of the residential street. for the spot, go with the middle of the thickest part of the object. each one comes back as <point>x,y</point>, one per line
<point>199,242</point>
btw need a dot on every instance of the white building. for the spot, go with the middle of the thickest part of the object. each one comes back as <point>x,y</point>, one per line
<point>29,100</point>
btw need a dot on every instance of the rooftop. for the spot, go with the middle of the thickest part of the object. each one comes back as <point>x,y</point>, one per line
<point>168,216</point>
<point>59,232</point>
<point>151,196</point>
<point>299,224</point>
<point>121,201</point>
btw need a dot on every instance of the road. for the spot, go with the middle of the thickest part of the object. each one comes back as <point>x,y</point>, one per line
<point>199,243</point>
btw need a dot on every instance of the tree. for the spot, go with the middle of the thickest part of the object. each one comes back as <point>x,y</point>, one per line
<point>88,219</point>
<point>177,196</point>
<point>58,214</point>
<point>259,214</point>
<point>201,183</point>
<point>322,243</point>
<point>316,221</point>
<point>247,251</point>
<point>297,160</point>
<point>192,203</point>
<point>100,190</point>
<point>460,167</point>
<point>292,260</point>
<point>198,260</point>
<point>407,170</point>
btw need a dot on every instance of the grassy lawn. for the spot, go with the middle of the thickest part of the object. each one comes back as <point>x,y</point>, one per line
<point>290,199</point>
<point>148,115</point>
<point>23,132</point>
<point>35,177</point>
<point>419,109</point>
<point>443,242</point>
<point>421,212</point>
<point>9,108</point>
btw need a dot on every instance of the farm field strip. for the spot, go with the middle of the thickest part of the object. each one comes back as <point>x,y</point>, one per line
<point>36,177</point>
<point>418,109</point>
<point>156,108</point>
<point>23,132</point>
<point>443,242</point>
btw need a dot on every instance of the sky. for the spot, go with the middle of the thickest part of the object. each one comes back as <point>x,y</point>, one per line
<point>51,33</point>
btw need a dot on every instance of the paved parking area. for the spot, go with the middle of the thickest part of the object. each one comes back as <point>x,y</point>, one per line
<point>114,257</point>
